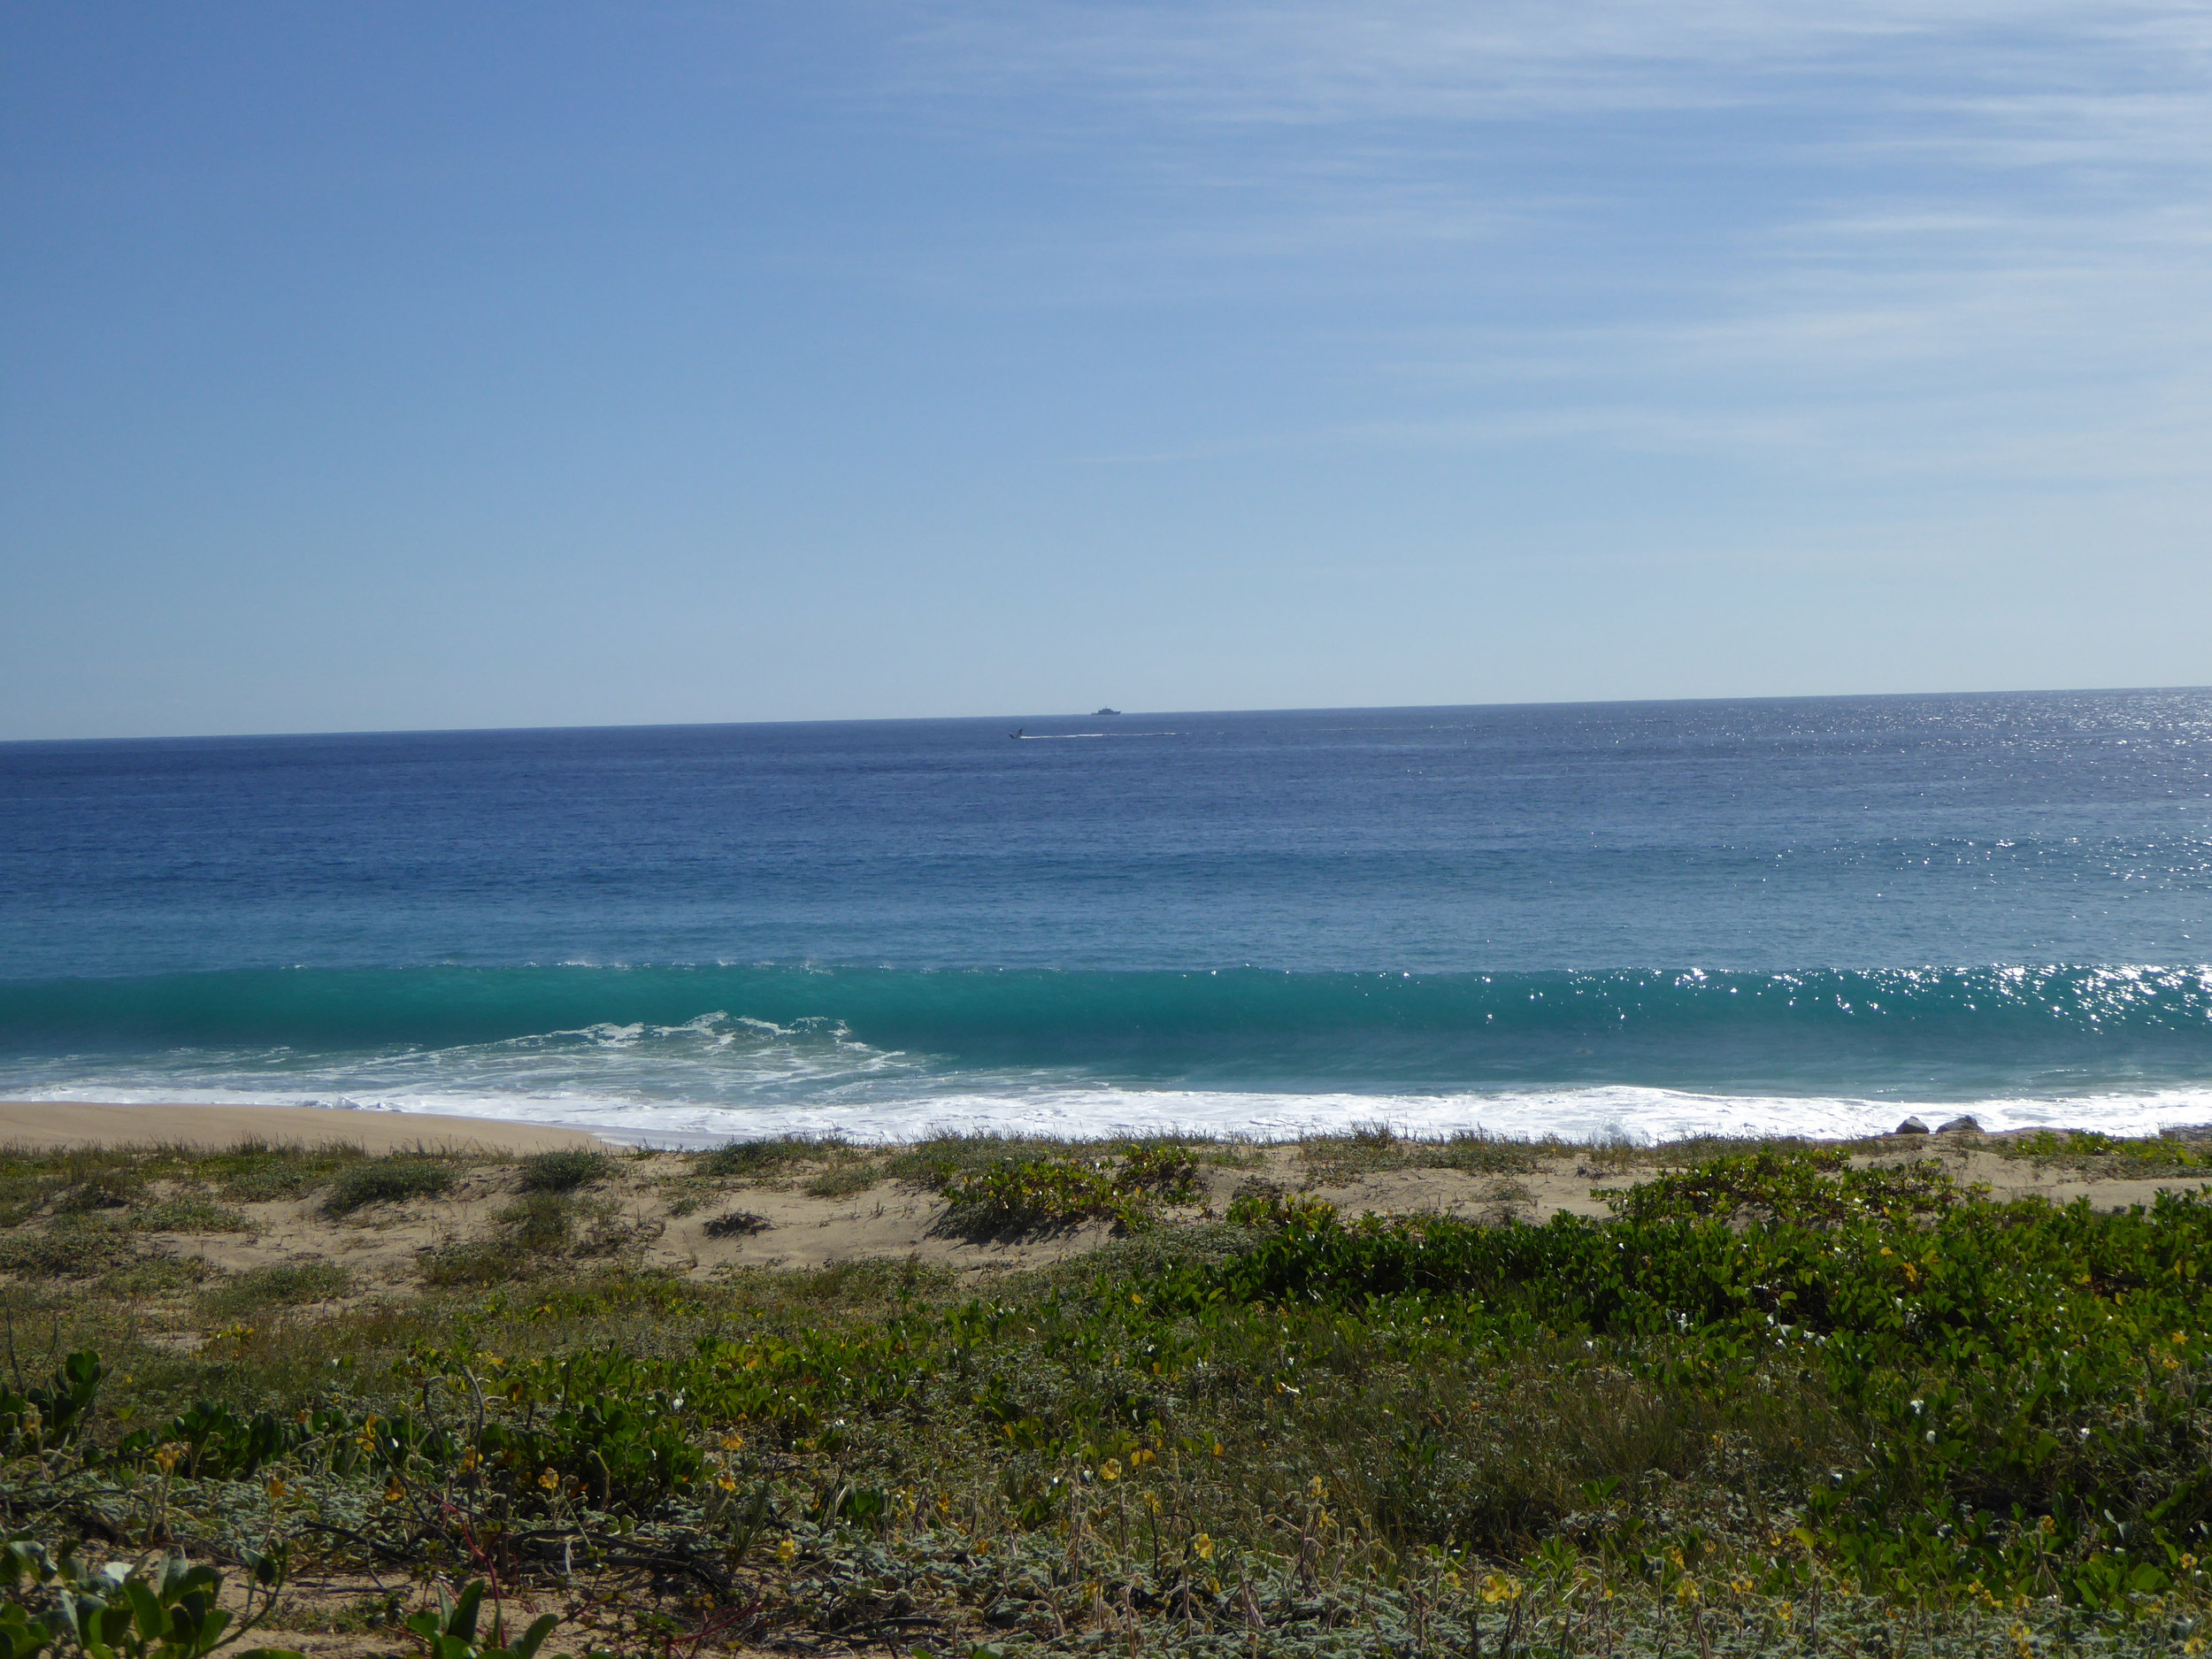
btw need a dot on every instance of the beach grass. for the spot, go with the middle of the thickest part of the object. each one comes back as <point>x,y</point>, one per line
<point>1776,1398</point>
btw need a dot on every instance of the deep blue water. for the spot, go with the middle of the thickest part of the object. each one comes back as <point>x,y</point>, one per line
<point>1647,916</point>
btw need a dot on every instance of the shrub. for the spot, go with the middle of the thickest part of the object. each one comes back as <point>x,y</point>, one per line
<point>392,1180</point>
<point>107,1189</point>
<point>474,1262</point>
<point>286,1285</point>
<point>759,1160</point>
<point>191,1215</point>
<point>80,1251</point>
<point>843,1180</point>
<point>539,1223</point>
<point>737,1224</point>
<point>257,1171</point>
<point>566,1170</point>
<point>1023,1195</point>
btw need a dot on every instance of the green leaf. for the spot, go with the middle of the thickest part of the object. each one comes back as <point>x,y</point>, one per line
<point>210,1630</point>
<point>534,1637</point>
<point>19,1639</point>
<point>461,1621</point>
<point>146,1611</point>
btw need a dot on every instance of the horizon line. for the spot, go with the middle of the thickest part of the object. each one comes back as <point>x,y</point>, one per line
<point>946,719</point>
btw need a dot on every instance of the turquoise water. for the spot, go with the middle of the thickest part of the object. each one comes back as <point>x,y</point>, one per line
<point>1636,919</point>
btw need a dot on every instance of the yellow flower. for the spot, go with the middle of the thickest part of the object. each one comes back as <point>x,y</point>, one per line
<point>1217,1451</point>
<point>2193,1646</point>
<point>1111,1470</point>
<point>550,1481</point>
<point>1314,1488</point>
<point>1497,1588</point>
<point>733,1442</point>
<point>2047,1524</point>
<point>1451,1581</point>
<point>1686,1592</point>
<point>166,1459</point>
<point>786,1552</point>
<point>1152,1502</point>
<point>1203,1547</point>
<point>2188,1564</point>
<point>276,1487</point>
<point>2018,1632</point>
<point>392,1494</point>
<point>468,1460</point>
<point>729,1483</point>
<point>1742,1587</point>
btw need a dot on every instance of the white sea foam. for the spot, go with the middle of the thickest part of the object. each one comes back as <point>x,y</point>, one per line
<point>1641,1115</point>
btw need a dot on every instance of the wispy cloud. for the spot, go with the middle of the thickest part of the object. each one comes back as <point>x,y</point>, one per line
<point>1903,237</point>
<point>1300,64</point>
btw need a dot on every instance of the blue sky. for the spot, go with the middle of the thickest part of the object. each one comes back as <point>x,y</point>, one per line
<point>412,366</point>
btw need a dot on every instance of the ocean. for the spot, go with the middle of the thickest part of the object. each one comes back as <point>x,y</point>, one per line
<point>1618,921</point>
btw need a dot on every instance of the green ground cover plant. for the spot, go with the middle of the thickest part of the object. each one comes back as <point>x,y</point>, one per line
<point>1771,1403</point>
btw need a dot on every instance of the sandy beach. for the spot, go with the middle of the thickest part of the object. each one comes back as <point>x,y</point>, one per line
<point>53,1124</point>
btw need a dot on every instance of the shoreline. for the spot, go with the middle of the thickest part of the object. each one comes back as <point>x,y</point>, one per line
<point>51,1125</point>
